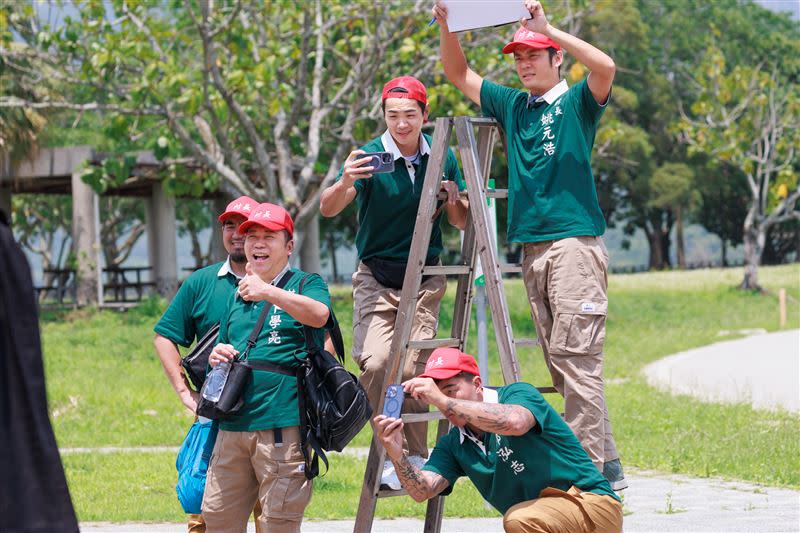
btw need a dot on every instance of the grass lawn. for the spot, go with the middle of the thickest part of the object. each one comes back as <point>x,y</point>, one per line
<point>106,388</point>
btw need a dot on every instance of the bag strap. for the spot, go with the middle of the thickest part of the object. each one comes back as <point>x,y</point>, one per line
<point>251,340</point>
<point>306,438</point>
<point>335,331</point>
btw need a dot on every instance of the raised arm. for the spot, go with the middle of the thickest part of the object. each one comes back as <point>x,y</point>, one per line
<point>339,195</point>
<point>501,419</point>
<point>600,65</point>
<point>305,310</point>
<point>453,59</point>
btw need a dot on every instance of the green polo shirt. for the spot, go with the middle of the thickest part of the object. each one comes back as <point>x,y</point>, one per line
<point>551,189</point>
<point>270,399</point>
<point>199,304</point>
<point>388,205</point>
<point>509,470</point>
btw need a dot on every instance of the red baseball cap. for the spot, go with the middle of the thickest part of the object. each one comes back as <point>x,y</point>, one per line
<point>243,205</point>
<point>270,216</point>
<point>444,363</point>
<point>524,37</point>
<point>416,90</point>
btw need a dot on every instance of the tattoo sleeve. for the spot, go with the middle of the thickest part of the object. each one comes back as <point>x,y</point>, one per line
<point>419,484</point>
<point>503,419</point>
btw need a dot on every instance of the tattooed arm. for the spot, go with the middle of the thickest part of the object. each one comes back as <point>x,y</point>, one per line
<point>501,419</point>
<point>420,484</point>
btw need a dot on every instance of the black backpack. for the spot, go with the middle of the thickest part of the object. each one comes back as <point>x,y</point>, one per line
<point>333,404</point>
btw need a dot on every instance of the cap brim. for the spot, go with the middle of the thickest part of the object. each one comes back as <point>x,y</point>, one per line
<point>440,373</point>
<point>272,226</point>
<point>228,214</point>
<point>510,47</point>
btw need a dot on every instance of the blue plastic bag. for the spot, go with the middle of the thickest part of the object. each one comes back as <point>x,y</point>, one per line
<point>192,464</point>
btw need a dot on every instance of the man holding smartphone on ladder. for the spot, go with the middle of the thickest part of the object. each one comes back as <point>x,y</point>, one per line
<point>388,199</point>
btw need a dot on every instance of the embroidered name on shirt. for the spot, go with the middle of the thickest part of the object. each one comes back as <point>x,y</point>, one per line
<point>504,453</point>
<point>273,338</point>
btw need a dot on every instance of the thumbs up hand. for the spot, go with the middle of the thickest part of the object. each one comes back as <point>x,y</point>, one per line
<point>251,287</point>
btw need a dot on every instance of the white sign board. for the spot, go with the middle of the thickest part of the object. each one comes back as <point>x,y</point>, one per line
<point>465,15</point>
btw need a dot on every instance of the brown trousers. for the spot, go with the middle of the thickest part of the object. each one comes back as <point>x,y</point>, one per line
<point>374,314</point>
<point>247,466</point>
<point>574,511</point>
<point>196,524</point>
<point>567,285</point>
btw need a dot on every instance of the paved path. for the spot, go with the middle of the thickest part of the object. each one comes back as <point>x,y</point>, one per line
<point>654,503</point>
<point>762,369</point>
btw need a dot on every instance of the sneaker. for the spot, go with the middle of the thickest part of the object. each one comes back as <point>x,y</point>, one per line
<point>417,460</point>
<point>389,478</point>
<point>612,471</point>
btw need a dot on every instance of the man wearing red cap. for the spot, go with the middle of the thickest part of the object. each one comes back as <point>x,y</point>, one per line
<point>553,209</point>
<point>258,455</point>
<point>198,306</point>
<point>521,456</point>
<point>387,211</point>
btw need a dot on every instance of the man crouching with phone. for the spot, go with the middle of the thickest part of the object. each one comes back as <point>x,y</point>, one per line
<point>519,453</point>
<point>387,187</point>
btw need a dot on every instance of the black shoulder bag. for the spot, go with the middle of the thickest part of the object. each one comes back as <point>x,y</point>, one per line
<point>195,363</point>
<point>333,404</point>
<point>230,401</point>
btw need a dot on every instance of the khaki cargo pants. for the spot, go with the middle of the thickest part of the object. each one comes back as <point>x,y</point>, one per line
<point>567,285</point>
<point>374,312</point>
<point>574,511</point>
<point>247,466</point>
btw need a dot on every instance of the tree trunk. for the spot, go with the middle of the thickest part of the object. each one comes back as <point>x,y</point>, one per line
<point>656,249</point>
<point>332,250</point>
<point>309,247</point>
<point>679,238</point>
<point>754,238</point>
<point>724,252</point>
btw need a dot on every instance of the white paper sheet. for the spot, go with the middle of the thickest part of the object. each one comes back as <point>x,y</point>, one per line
<point>465,15</point>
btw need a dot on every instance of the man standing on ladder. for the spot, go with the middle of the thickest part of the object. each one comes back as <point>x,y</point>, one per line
<point>387,211</point>
<point>553,208</point>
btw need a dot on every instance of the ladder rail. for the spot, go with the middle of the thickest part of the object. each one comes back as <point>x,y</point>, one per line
<point>476,157</point>
<point>405,312</point>
<point>471,163</point>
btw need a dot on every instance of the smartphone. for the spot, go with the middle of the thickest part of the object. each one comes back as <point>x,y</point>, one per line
<point>382,162</point>
<point>394,401</point>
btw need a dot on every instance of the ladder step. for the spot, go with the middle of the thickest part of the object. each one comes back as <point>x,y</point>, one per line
<point>497,193</point>
<point>510,268</point>
<point>389,493</point>
<point>527,342</point>
<point>410,418</point>
<point>435,343</point>
<point>546,390</point>
<point>447,270</point>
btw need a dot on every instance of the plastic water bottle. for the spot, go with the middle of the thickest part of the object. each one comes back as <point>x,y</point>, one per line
<point>212,388</point>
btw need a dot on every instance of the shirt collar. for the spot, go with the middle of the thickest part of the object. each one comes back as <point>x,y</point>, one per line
<point>390,146</point>
<point>550,96</point>
<point>280,274</point>
<point>226,269</point>
<point>489,396</point>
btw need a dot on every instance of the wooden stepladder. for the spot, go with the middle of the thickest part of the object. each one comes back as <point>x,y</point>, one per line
<point>476,155</point>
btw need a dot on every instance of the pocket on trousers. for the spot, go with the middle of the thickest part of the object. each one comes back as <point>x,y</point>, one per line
<point>292,492</point>
<point>579,327</point>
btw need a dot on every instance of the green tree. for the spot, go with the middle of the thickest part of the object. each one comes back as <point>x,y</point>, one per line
<point>750,118</point>
<point>674,190</point>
